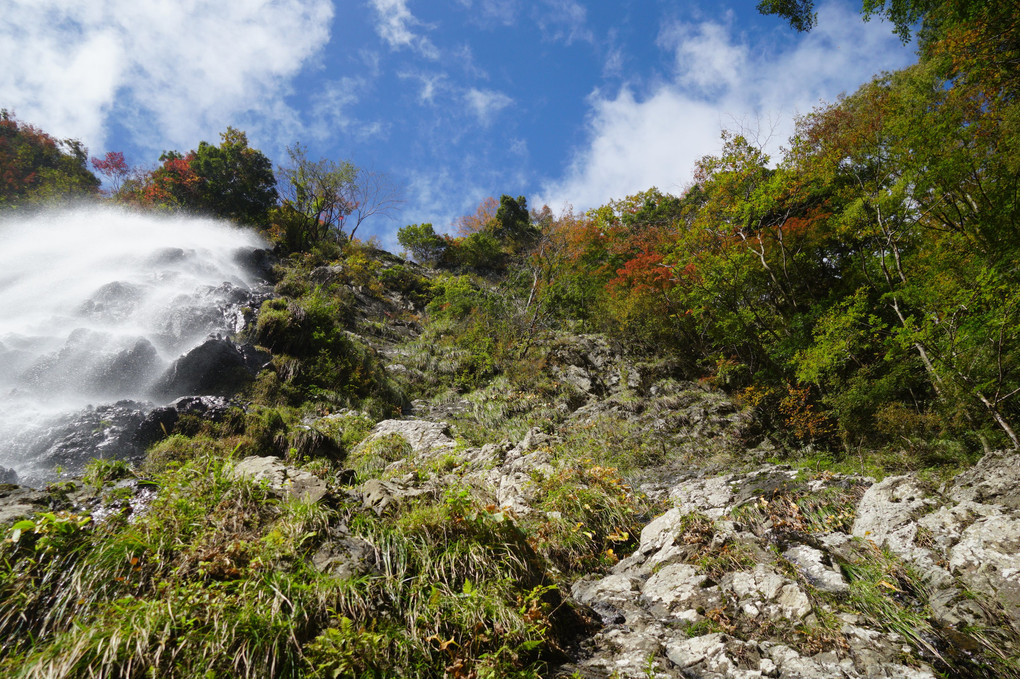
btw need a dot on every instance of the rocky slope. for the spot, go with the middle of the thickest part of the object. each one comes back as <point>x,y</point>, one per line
<point>633,513</point>
<point>775,572</point>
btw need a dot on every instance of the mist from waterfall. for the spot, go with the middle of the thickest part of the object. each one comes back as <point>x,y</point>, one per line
<point>96,302</point>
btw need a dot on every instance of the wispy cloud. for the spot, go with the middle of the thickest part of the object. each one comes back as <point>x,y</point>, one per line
<point>430,84</point>
<point>171,72</point>
<point>329,111</point>
<point>486,104</point>
<point>564,20</point>
<point>493,12</point>
<point>643,138</point>
<point>395,26</point>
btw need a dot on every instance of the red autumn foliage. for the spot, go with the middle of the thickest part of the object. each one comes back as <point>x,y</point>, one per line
<point>174,183</point>
<point>33,164</point>
<point>114,167</point>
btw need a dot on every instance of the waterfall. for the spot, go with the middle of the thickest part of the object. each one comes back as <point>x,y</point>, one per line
<point>95,303</point>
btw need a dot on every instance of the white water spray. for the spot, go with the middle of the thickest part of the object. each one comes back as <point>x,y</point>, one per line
<point>95,302</point>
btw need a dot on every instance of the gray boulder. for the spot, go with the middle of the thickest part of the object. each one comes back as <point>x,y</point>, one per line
<point>425,438</point>
<point>282,480</point>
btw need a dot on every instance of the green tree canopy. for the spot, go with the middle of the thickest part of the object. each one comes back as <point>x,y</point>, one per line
<point>929,19</point>
<point>232,181</point>
<point>512,224</point>
<point>236,181</point>
<point>424,244</point>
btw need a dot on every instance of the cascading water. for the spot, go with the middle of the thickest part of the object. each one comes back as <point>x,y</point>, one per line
<point>95,304</point>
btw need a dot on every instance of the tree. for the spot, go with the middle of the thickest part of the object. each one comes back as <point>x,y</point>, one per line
<point>422,242</point>
<point>371,194</point>
<point>114,167</point>
<point>235,181</point>
<point>480,220</point>
<point>923,178</point>
<point>35,166</point>
<point>173,185</point>
<point>333,198</point>
<point>232,181</point>
<point>930,19</point>
<point>512,223</point>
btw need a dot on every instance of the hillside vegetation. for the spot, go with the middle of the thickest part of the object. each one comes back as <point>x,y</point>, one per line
<point>461,462</point>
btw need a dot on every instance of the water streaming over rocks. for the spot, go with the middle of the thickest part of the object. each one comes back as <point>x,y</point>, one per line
<point>97,305</point>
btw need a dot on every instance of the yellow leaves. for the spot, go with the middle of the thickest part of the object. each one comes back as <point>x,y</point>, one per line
<point>441,644</point>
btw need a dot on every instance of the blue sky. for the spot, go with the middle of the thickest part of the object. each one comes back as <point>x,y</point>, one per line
<point>564,101</point>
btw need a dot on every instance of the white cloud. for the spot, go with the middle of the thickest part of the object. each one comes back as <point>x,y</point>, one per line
<point>395,27</point>
<point>705,56</point>
<point>640,140</point>
<point>439,196</point>
<point>186,69</point>
<point>486,104</point>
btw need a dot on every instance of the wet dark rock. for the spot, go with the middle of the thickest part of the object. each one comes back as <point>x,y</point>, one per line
<point>156,426</point>
<point>125,370</point>
<point>106,431</point>
<point>167,256</point>
<point>227,307</point>
<point>159,422</point>
<point>212,408</point>
<point>128,498</point>
<point>216,367</point>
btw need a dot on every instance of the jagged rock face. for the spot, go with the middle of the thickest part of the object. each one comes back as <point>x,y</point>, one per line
<point>967,537</point>
<point>501,474</point>
<point>736,579</point>
<point>159,422</point>
<point>106,431</point>
<point>103,340</point>
<point>121,430</point>
<point>761,588</point>
<point>216,367</point>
